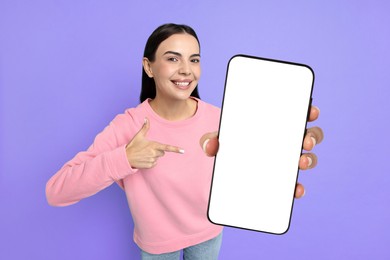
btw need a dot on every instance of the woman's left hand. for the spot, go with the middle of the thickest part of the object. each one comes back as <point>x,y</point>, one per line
<point>314,135</point>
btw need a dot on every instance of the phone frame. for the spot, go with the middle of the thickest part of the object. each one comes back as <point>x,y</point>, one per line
<point>223,192</point>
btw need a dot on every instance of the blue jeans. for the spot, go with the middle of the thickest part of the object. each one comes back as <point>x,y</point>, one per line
<point>208,250</point>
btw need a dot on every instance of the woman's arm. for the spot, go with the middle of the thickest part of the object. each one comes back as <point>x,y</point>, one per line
<point>90,171</point>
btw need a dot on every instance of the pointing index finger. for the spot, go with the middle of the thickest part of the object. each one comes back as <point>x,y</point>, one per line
<point>169,148</point>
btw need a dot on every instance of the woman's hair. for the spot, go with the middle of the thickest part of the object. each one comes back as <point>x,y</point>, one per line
<point>159,35</point>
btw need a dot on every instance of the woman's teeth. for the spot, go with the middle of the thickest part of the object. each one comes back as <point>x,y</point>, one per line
<point>182,83</point>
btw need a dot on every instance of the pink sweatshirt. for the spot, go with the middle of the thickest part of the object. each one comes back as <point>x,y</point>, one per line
<point>168,202</point>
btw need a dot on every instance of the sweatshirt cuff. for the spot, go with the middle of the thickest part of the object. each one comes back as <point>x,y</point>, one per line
<point>119,165</point>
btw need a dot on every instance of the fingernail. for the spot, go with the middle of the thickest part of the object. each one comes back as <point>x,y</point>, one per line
<point>304,192</point>
<point>145,120</point>
<point>310,161</point>
<point>314,141</point>
<point>205,144</point>
<point>181,151</point>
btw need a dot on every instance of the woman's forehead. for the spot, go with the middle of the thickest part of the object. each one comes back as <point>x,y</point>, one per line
<point>182,43</point>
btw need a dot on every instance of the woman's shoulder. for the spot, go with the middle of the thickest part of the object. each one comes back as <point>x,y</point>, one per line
<point>209,109</point>
<point>131,117</point>
<point>208,106</point>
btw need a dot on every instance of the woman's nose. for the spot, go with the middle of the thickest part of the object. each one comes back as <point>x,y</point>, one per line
<point>185,69</point>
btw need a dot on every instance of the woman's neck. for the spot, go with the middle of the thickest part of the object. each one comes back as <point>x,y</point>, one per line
<point>174,110</point>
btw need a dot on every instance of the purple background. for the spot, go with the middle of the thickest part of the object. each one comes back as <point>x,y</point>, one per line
<point>68,67</point>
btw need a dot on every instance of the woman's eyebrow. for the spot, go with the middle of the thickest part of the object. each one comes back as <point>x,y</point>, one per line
<point>179,54</point>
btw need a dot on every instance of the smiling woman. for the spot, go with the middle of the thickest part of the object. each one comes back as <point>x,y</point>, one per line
<point>176,71</point>
<point>155,39</point>
<point>152,152</point>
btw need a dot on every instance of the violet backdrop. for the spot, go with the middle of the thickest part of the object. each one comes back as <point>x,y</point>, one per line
<point>68,67</point>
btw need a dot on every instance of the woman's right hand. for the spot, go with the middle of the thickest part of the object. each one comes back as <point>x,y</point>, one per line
<point>143,153</point>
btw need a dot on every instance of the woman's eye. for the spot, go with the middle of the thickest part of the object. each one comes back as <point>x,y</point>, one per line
<point>195,60</point>
<point>172,59</point>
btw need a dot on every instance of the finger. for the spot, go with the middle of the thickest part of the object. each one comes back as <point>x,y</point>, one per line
<point>145,126</point>
<point>211,146</point>
<point>314,113</point>
<point>144,162</point>
<point>147,164</point>
<point>309,142</point>
<point>316,133</point>
<point>159,153</point>
<point>140,135</point>
<point>307,161</point>
<point>209,143</point>
<point>299,191</point>
<point>144,129</point>
<point>207,136</point>
<point>168,148</point>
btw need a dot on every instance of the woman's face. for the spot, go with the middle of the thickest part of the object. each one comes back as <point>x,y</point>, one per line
<point>176,68</point>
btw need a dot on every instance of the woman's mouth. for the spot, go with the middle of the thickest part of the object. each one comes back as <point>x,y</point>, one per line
<point>182,84</point>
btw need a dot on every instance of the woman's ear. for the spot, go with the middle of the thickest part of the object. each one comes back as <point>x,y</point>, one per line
<point>147,67</point>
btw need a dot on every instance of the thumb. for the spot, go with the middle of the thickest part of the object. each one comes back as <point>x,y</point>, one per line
<point>209,143</point>
<point>144,129</point>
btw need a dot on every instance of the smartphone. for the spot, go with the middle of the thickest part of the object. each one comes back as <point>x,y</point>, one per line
<point>263,121</point>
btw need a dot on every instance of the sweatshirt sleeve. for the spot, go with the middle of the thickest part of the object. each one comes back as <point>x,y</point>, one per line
<point>89,172</point>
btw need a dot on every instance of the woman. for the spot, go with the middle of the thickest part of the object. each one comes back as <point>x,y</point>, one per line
<point>152,151</point>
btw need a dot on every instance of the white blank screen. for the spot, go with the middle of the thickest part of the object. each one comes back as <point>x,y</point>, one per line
<point>262,126</point>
